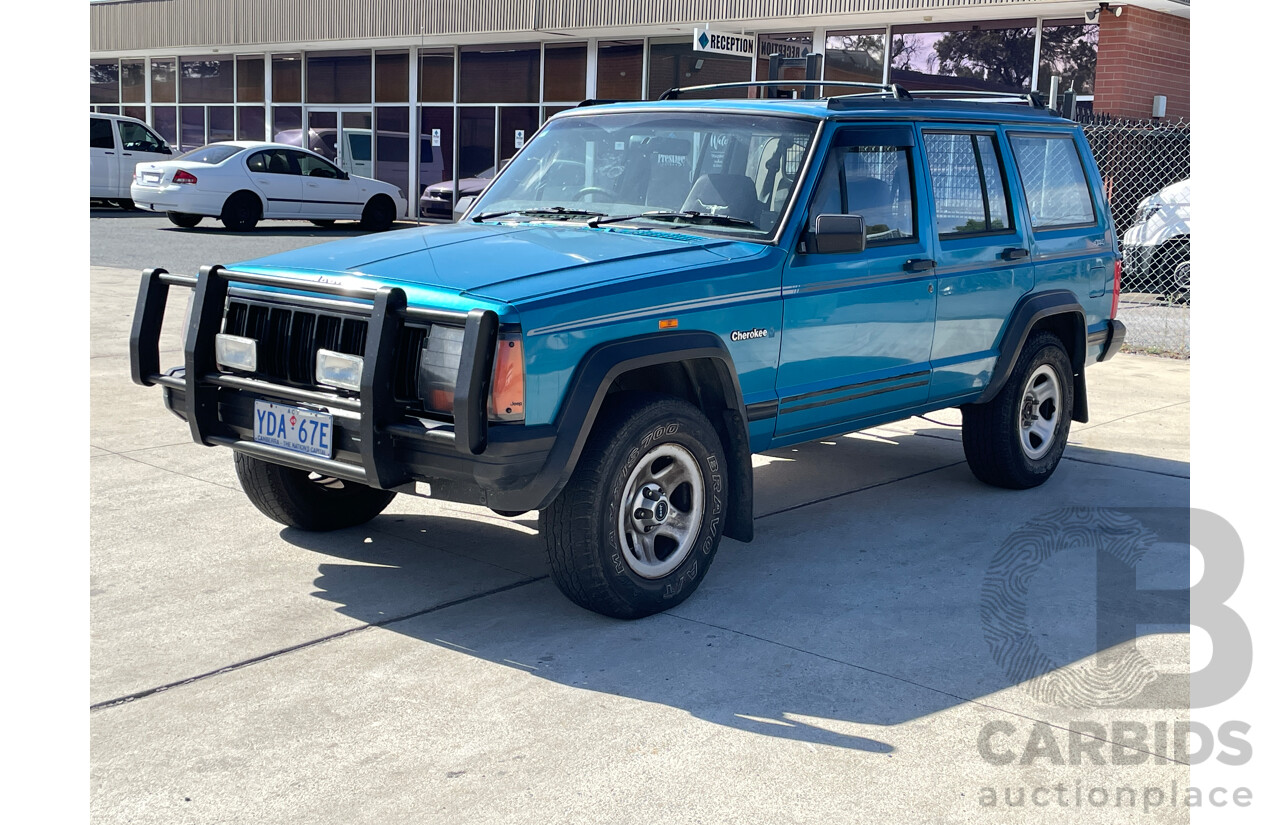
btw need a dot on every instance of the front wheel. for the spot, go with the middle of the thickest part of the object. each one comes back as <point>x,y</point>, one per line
<point>636,528</point>
<point>241,212</point>
<point>183,219</point>
<point>308,501</point>
<point>379,213</point>
<point>1016,439</point>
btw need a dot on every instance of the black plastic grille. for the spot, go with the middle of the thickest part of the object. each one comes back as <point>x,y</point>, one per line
<point>288,338</point>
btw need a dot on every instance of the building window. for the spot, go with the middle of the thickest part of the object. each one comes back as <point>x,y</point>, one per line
<point>191,135</point>
<point>435,76</point>
<point>435,151</point>
<point>284,120</point>
<point>500,74</point>
<point>565,75</point>
<point>992,55</point>
<point>133,81</point>
<point>206,80</point>
<point>392,144</point>
<point>339,77</point>
<point>286,78</point>
<point>787,46</point>
<point>674,63</point>
<point>620,70</point>
<point>251,123</point>
<point>250,79</point>
<point>165,121</point>
<point>854,57</point>
<point>222,123</point>
<point>104,82</point>
<point>391,77</point>
<point>1070,51</point>
<point>164,81</point>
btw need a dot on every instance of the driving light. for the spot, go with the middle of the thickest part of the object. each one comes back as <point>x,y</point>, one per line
<point>337,369</point>
<point>236,353</point>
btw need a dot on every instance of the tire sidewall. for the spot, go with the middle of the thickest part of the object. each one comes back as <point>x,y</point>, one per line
<point>662,424</point>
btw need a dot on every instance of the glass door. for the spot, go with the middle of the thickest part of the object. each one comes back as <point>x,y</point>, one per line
<point>344,136</point>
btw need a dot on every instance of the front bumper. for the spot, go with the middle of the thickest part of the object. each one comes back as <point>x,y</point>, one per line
<point>504,466</point>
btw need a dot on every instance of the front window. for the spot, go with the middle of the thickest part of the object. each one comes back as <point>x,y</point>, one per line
<point>726,173</point>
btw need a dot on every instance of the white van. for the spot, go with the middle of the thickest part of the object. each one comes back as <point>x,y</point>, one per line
<point>116,145</point>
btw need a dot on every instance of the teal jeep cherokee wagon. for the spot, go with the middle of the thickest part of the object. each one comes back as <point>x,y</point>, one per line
<point>646,295</point>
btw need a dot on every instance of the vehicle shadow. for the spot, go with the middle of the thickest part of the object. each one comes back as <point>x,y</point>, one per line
<point>867,610</point>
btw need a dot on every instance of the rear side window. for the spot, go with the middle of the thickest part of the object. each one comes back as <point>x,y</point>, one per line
<point>100,134</point>
<point>1053,178</point>
<point>968,184</point>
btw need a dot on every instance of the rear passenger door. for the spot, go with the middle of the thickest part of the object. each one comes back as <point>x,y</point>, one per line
<point>278,178</point>
<point>858,326</point>
<point>983,254</point>
<point>1072,244</point>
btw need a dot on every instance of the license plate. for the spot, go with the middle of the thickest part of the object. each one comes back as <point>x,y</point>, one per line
<point>150,177</point>
<point>293,428</point>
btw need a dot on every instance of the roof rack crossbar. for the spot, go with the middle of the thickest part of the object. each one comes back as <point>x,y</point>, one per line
<point>894,89</point>
<point>1034,99</point>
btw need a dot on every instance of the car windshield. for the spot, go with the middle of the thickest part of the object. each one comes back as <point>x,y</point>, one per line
<point>213,153</point>
<point>737,172</point>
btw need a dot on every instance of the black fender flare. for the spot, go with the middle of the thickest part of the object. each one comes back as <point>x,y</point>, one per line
<point>1032,309</point>
<point>603,364</point>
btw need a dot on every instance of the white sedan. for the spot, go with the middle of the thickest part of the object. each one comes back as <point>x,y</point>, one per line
<point>242,182</point>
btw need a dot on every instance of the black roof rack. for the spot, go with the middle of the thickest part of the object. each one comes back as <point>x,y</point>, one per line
<point>893,89</point>
<point>1034,99</point>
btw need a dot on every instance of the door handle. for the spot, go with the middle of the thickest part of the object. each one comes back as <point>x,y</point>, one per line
<point>1014,253</point>
<point>919,265</point>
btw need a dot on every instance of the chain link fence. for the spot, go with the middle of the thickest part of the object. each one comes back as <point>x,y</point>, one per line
<point>1146,169</point>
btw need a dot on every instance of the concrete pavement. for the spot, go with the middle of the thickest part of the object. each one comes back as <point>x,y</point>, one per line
<point>422,668</point>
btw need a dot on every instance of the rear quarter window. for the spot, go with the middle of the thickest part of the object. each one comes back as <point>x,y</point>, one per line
<point>1054,181</point>
<point>100,136</point>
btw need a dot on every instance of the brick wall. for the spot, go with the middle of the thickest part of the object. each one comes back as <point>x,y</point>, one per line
<point>1142,54</point>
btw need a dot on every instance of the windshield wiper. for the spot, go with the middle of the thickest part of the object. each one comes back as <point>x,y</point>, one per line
<point>689,215</point>
<point>554,211</point>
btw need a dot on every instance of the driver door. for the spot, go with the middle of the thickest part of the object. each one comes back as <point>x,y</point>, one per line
<point>326,191</point>
<point>858,326</point>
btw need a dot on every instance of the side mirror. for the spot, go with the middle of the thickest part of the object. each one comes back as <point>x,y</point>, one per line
<point>343,175</point>
<point>839,233</point>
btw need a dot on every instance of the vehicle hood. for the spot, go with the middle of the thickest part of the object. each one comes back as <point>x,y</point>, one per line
<point>1167,215</point>
<point>509,263</point>
<point>466,186</point>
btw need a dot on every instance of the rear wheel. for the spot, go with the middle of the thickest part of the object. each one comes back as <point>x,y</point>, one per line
<point>379,213</point>
<point>308,501</point>
<point>636,528</point>
<point>1016,439</point>
<point>183,219</point>
<point>241,212</point>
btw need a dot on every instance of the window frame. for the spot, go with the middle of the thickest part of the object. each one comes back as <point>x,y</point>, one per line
<point>1011,136</point>
<point>842,142</point>
<point>1010,211</point>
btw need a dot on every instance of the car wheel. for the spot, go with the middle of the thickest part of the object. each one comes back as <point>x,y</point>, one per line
<point>323,224</point>
<point>637,526</point>
<point>241,212</point>
<point>183,219</point>
<point>308,501</point>
<point>1016,439</point>
<point>379,213</point>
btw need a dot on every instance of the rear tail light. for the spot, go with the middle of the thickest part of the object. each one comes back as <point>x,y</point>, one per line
<point>1115,291</point>
<point>506,396</point>
<point>183,176</point>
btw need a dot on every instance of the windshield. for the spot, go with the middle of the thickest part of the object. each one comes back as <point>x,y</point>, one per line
<point>731,166</point>
<point>213,153</point>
